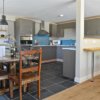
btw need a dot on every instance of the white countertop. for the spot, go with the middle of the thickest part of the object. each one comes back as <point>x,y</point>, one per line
<point>69,48</point>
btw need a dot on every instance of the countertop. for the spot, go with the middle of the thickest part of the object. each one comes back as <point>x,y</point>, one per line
<point>92,49</point>
<point>45,45</point>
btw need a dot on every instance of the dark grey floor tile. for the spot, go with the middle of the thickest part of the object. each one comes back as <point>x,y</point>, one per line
<point>16,94</point>
<point>58,80</point>
<point>6,98</point>
<point>68,84</point>
<point>2,98</point>
<point>51,83</point>
<point>26,97</point>
<point>55,88</point>
<point>46,83</point>
<point>32,87</point>
<point>44,93</point>
<point>54,73</point>
<point>46,76</point>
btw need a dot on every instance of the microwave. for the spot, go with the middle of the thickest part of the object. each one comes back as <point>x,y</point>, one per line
<point>56,42</point>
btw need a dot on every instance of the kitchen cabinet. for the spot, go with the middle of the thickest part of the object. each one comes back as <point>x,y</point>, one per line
<point>48,52</point>
<point>59,52</point>
<point>60,33</point>
<point>62,26</point>
<point>92,27</point>
<point>23,27</point>
<point>11,29</point>
<point>53,30</point>
<point>69,62</point>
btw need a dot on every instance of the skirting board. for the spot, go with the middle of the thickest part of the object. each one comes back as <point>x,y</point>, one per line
<point>52,60</point>
<point>47,61</point>
<point>60,60</point>
<point>85,78</point>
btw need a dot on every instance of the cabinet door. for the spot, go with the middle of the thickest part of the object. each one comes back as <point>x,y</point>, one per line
<point>70,33</point>
<point>60,31</point>
<point>11,28</point>
<point>49,52</point>
<point>26,27</point>
<point>53,30</point>
<point>69,63</point>
<point>59,52</point>
<point>91,27</point>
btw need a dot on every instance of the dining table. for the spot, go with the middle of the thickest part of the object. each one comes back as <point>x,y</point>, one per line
<point>11,62</point>
<point>12,68</point>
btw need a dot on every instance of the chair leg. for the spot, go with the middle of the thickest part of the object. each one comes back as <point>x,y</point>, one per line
<point>38,87</point>
<point>11,89</point>
<point>4,83</point>
<point>20,91</point>
<point>25,87</point>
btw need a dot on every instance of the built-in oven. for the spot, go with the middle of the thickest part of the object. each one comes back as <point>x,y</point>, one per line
<point>26,40</point>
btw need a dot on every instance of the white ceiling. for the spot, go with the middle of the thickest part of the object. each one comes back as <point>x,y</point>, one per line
<point>49,10</point>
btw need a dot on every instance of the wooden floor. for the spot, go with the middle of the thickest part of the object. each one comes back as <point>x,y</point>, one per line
<point>85,91</point>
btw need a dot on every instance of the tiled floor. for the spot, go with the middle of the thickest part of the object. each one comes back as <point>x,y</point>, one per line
<point>52,82</point>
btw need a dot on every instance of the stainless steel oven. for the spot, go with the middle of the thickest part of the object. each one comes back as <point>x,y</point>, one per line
<point>26,40</point>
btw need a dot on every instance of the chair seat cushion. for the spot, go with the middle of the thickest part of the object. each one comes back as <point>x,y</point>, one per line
<point>26,65</point>
<point>26,77</point>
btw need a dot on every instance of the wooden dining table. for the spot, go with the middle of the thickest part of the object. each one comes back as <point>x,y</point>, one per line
<point>12,68</point>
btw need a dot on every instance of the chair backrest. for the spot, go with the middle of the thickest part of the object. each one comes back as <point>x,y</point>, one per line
<point>30,61</point>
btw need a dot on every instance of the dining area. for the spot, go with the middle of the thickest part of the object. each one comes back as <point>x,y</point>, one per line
<point>19,72</point>
<point>24,76</point>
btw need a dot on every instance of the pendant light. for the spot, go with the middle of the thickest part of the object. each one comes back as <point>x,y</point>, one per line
<point>3,22</point>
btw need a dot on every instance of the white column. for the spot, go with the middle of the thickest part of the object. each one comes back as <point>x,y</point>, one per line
<point>79,40</point>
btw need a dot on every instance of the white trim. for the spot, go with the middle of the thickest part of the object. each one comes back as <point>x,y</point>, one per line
<point>47,61</point>
<point>69,49</point>
<point>52,60</point>
<point>60,60</point>
<point>85,78</point>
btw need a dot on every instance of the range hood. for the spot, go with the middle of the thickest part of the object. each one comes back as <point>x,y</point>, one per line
<point>42,30</point>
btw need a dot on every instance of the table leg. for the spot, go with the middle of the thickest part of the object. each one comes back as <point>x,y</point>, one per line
<point>13,68</point>
<point>92,70</point>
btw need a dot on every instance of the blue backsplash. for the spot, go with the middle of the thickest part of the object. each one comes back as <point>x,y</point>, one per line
<point>68,42</point>
<point>41,39</point>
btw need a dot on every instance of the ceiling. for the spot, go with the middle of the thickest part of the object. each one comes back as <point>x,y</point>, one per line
<point>49,10</point>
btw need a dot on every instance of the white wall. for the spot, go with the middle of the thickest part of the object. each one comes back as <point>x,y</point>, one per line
<point>46,26</point>
<point>88,43</point>
<point>87,60</point>
<point>37,27</point>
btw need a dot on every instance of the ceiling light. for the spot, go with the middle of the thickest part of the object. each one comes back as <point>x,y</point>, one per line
<point>61,15</point>
<point>3,20</point>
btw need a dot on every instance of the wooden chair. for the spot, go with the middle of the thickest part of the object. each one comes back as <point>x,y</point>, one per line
<point>29,70</point>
